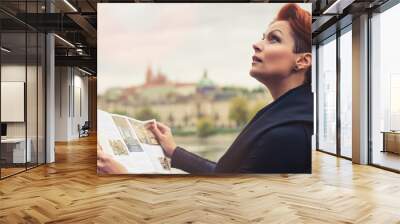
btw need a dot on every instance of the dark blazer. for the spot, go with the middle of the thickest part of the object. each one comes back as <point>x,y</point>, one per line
<point>276,140</point>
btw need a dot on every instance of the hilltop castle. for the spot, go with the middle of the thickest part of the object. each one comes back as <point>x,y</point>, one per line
<point>152,79</point>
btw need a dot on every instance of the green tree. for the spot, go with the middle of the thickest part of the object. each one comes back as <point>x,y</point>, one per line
<point>238,110</point>
<point>171,120</point>
<point>256,107</point>
<point>205,127</point>
<point>146,113</point>
<point>216,118</point>
<point>186,119</point>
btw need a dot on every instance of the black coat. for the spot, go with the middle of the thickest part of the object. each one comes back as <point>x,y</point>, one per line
<point>276,140</point>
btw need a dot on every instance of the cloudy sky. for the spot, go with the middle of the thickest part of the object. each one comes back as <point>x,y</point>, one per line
<point>181,40</point>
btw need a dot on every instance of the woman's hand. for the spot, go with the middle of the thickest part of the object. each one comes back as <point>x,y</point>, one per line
<point>106,164</point>
<point>164,136</point>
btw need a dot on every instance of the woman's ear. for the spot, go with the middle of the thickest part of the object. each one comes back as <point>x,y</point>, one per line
<point>304,61</point>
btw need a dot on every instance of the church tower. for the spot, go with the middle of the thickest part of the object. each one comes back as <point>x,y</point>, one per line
<point>149,75</point>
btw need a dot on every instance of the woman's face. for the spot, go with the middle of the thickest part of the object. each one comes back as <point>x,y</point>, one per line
<point>273,55</point>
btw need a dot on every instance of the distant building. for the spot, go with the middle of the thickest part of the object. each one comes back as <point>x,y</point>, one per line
<point>157,86</point>
<point>205,85</point>
<point>152,79</point>
<point>179,104</point>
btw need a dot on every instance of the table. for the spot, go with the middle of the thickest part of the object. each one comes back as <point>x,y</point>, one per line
<point>17,150</point>
<point>391,141</point>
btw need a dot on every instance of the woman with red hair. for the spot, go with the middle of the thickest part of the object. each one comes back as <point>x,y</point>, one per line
<point>278,138</point>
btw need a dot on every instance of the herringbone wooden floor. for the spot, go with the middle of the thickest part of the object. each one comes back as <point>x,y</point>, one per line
<point>70,191</point>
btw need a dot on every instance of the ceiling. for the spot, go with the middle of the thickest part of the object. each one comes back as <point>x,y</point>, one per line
<point>76,21</point>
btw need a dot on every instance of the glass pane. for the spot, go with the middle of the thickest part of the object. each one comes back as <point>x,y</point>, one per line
<point>31,100</point>
<point>385,87</point>
<point>346,94</point>
<point>13,85</point>
<point>327,96</point>
<point>31,88</point>
<point>41,98</point>
<point>23,82</point>
<point>313,83</point>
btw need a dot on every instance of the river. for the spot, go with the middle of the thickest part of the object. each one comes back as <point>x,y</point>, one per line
<point>211,148</point>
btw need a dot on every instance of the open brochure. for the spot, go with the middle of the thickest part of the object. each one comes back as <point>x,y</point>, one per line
<point>129,142</point>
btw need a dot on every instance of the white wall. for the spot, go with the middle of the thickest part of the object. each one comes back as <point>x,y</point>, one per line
<point>80,104</point>
<point>62,82</point>
<point>71,94</point>
<point>12,73</point>
<point>17,73</point>
<point>33,126</point>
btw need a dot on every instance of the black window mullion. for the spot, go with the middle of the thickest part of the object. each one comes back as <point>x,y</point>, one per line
<point>369,90</point>
<point>316,97</point>
<point>26,86</point>
<point>338,73</point>
<point>37,90</point>
<point>0,97</point>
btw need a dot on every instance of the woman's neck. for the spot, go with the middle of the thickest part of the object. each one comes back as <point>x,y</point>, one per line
<point>279,87</point>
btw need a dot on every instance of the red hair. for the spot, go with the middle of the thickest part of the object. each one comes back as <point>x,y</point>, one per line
<point>300,23</point>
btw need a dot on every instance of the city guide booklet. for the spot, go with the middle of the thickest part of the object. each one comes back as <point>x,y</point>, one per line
<point>130,143</point>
